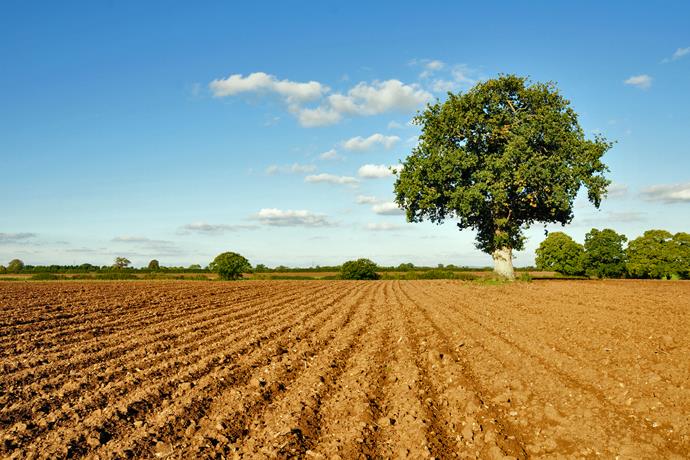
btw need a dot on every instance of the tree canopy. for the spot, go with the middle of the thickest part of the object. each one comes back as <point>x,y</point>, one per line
<point>360,269</point>
<point>230,265</point>
<point>560,253</point>
<point>15,265</point>
<point>154,265</point>
<point>121,262</point>
<point>651,255</point>
<point>504,155</point>
<point>604,253</point>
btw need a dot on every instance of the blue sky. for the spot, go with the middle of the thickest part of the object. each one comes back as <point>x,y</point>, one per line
<point>180,130</point>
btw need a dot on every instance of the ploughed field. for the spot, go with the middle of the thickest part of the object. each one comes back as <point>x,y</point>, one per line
<point>320,369</point>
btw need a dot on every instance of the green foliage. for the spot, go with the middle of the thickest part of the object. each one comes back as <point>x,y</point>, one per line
<point>405,267</point>
<point>651,255</point>
<point>46,277</point>
<point>230,265</point>
<point>504,155</point>
<point>194,267</point>
<point>436,274</point>
<point>154,265</point>
<point>15,266</point>
<point>560,253</point>
<point>604,254</point>
<point>115,276</point>
<point>121,262</point>
<point>360,269</point>
<point>681,255</point>
<point>3,269</point>
<point>261,268</point>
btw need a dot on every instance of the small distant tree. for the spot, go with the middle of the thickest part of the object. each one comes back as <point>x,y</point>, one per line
<point>360,269</point>
<point>154,265</point>
<point>3,269</point>
<point>604,254</point>
<point>651,255</point>
<point>230,265</point>
<point>195,267</point>
<point>121,262</point>
<point>261,268</point>
<point>560,253</point>
<point>406,267</point>
<point>15,265</point>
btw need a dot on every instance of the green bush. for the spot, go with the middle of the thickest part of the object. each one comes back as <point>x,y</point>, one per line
<point>46,277</point>
<point>436,274</point>
<point>230,265</point>
<point>558,252</point>
<point>604,254</point>
<point>360,269</point>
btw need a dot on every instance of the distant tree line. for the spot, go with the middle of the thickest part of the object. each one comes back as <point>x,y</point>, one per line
<point>657,254</point>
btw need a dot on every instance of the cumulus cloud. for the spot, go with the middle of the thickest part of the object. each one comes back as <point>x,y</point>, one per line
<point>320,116</point>
<point>15,237</point>
<point>294,168</point>
<point>360,143</point>
<point>331,154</point>
<point>365,199</point>
<point>678,54</point>
<point>213,229</point>
<point>369,171</point>
<point>384,227</point>
<point>639,81</point>
<point>289,218</point>
<point>379,97</point>
<point>387,209</point>
<point>293,92</point>
<point>674,193</point>
<point>331,179</point>
<point>363,99</point>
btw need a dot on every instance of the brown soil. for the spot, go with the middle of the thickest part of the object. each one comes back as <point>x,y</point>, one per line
<point>338,369</point>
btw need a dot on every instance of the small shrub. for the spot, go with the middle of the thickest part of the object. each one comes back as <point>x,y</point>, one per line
<point>436,274</point>
<point>360,269</point>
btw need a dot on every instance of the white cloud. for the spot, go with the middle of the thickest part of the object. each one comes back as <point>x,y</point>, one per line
<point>289,218</point>
<point>320,116</point>
<point>639,81</point>
<point>15,237</point>
<point>679,53</point>
<point>365,199</point>
<point>384,227</point>
<point>260,81</point>
<point>443,86</point>
<point>379,97</point>
<point>675,193</point>
<point>363,99</point>
<point>294,168</point>
<point>369,171</point>
<point>387,209</point>
<point>332,154</point>
<point>360,143</point>
<point>208,229</point>
<point>331,179</point>
<point>617,191</point>
<point>394,125</point>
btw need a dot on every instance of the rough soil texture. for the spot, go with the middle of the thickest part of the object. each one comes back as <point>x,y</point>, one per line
<point>337,369</point>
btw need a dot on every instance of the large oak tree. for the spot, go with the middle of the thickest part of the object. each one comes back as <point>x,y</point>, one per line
<point>498,158</point>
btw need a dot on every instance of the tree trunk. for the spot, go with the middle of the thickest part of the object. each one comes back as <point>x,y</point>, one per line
<point>503,263</point>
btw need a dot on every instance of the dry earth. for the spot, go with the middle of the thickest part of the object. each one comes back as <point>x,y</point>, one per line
<point>329,369</point>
